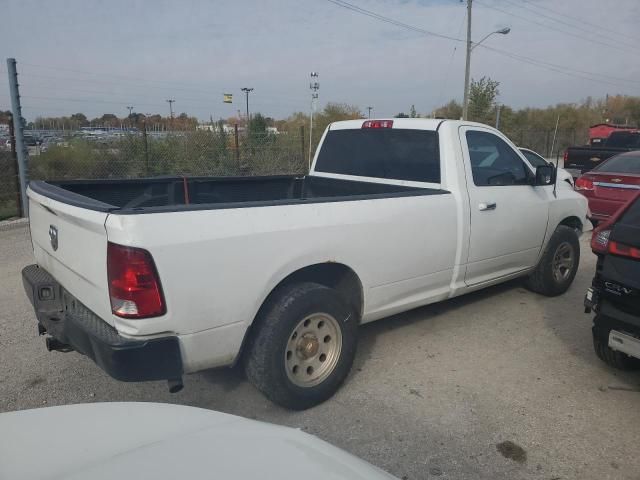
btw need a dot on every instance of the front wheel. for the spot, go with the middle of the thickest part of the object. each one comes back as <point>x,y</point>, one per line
<point>303,346</point>
<point>558,265</point>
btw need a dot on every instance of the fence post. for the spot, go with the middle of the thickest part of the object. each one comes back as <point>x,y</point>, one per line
<point>236,142</point>
<point>302,151</point>
<point>146,147</point>
<point>20,147</point>
<point>14,157</point>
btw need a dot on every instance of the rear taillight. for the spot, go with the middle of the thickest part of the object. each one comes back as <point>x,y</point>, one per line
<point>583,183</point>
<point>565,156</point>
<point>600,241</point>
<point>134,285</point>
<point>378,124</point>
<point>616,248</point>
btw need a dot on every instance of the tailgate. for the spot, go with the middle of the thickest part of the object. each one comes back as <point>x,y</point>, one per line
<point>70,243</point>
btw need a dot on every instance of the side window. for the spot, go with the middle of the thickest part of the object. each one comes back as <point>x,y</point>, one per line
<point>494,162</point>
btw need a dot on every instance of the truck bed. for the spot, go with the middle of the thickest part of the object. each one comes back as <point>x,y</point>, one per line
<point>196,193</point>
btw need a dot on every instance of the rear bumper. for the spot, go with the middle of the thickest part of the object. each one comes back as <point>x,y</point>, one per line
<point>70,323</point>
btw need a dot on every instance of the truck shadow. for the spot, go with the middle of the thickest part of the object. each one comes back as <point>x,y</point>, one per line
<point>231,379</point>
<point>370,332</point>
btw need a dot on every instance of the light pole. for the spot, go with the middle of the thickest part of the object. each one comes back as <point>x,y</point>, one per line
<point>247,91</point>
<point>470,46</point>
<point>130,110</point>
<point>314,86</point>
<point>170,101</point>
<point>369,108</point>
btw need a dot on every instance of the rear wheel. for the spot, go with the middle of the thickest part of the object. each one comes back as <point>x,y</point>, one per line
<point>303,347</point>
<point>558,265</point>
<point>611,357</point>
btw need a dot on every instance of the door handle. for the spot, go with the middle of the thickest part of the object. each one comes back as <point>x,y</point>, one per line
<point>487,206</point>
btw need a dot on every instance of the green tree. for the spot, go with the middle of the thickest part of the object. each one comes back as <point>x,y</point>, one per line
<point>451,111</point>
<point>401,115</point>
<point>79,119</point>
<point>412,112</point>
<point>482,99</point>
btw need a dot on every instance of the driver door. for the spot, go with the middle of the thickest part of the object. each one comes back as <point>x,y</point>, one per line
<point>508,215</point>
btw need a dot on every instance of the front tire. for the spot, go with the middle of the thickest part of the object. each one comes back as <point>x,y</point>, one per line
<point>303,346</point>
<point>558,265</point>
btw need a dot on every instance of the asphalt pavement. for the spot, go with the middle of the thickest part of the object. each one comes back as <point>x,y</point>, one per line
<point>498,384</point>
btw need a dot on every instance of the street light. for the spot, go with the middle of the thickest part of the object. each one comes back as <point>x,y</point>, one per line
<point>470,47</point>
<point>247,91</point>
<point>502,31</point>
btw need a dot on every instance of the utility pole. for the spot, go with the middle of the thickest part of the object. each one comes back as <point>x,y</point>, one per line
<point>467,69</point>
<point>369,108</point>
<point>498,108</point>
<point>18,126</point>
<point>314,86</point>
<point>247,91</point>
<point>170,101</point>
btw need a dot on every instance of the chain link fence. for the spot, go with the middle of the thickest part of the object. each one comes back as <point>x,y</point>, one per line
<point>9,189</point>
<point>118,154</point>
<point>542,141</point>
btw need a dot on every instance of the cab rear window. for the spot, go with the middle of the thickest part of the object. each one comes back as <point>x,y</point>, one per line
<point>398,154</point>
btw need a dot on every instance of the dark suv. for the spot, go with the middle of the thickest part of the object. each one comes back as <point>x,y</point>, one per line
<point>615,290</point>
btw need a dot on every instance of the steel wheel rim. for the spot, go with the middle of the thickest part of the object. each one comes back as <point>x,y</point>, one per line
<point>313,350</point>
<point>563,262</point>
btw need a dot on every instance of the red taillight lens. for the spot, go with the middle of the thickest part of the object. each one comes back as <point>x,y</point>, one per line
<point>600,241</point>
<point>623,250</point>
<point>134,285</point>
<point>583,183</point>
<point>565,156</point>
<point>378,124</point>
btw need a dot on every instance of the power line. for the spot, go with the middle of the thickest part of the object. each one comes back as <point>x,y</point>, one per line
<point>135,82</point>
<point>571,25</point>
<point>576,19</point>
<point>551,67</point>
<point>453,53</point>
<point>382,18</point>
<point>544,25</point>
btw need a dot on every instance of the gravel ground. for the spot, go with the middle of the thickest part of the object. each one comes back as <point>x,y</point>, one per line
<point>500,384</point>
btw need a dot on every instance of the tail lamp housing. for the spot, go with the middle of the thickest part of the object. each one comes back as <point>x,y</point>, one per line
<point>134,285</point>
<point>583,183</point>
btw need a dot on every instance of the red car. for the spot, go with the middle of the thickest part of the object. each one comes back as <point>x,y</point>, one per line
<point>611,184</point>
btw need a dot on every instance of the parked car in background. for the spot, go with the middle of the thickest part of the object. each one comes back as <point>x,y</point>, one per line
<point>615,290</point>
<point>585,158</point>
<point>535,159</point>
<point>155,278</point>
<point>164,442</point>
<point>611,184</point>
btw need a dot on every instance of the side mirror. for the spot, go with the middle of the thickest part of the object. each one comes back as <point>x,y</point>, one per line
<point>545,175</point>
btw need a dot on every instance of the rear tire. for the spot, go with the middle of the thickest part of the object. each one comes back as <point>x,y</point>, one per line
<point>303,346</point>
<point>611,357</point>
<point>558,265</point>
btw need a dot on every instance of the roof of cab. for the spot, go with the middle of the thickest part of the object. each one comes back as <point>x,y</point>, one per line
<point>412,123</point>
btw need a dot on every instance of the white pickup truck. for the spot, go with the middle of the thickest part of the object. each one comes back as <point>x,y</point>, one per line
<point>156,278</point>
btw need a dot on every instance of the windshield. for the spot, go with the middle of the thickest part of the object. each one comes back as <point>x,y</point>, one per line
<point>398,154</point>
<point>624,163</point>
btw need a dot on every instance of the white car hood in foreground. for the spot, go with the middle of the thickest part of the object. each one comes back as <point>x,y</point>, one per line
<point>162,441</point>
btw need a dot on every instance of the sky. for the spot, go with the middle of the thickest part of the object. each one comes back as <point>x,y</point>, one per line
<point>99,57</point>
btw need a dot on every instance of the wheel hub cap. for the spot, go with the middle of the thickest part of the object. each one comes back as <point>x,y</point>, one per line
<point>308,346</point>
<point>563,261</point>
<point>313,350</point>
